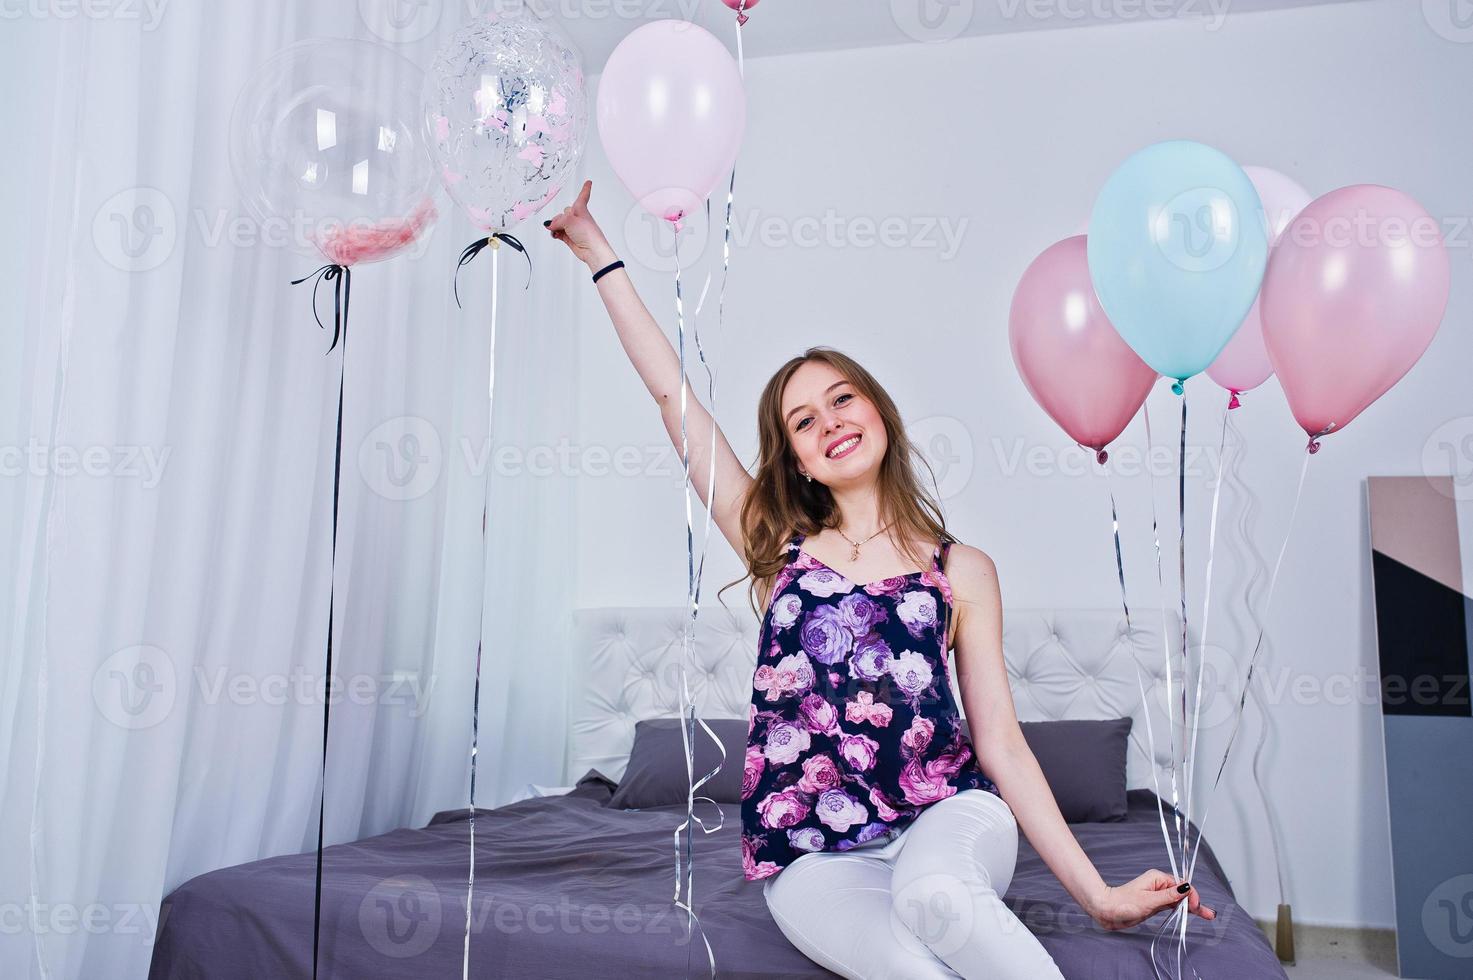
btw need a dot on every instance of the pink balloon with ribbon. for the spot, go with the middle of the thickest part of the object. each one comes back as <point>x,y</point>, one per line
<point>1072,360</point>
<point>671,114</point>
<point>741,7</point>
<point>1243,364</point>
<point>1354,293</point>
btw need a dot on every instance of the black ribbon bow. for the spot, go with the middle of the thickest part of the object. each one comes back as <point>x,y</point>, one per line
<point>474,249</point>
<point>342,278</point>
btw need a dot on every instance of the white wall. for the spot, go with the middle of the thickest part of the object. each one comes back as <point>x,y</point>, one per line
<point>1009,138</point>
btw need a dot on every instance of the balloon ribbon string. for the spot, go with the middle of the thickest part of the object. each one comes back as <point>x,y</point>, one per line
<point>1140,684</point>
<point>342,278</point>
<point>688,715</point>
<point>1257,645</point>
<point>711,483</point>
<point>1165,647</point>
<point>1186,760</point>
<point>494,240</point>
<point>1141,688</point>
<point>1206,607</point>
<point>470,881</point>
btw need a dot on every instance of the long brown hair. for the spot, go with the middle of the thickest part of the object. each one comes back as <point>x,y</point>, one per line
<point>782,503</point>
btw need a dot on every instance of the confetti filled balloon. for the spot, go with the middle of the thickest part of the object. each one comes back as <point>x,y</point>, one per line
<point>326,151</point>
<point>506,116</point>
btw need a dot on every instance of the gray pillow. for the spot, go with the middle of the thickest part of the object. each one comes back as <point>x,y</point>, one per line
<point>656,773</point>
<point>1084,763</point>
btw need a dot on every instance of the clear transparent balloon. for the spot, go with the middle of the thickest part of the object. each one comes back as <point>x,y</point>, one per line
<point>506,116</point>
<point>328,152</point>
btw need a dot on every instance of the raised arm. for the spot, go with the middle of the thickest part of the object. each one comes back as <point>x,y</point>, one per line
<point>658,365</point>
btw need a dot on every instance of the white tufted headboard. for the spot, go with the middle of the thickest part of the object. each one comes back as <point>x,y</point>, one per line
<point>1062,663</point>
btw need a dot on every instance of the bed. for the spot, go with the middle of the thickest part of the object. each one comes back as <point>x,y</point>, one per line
<point>568,887</point>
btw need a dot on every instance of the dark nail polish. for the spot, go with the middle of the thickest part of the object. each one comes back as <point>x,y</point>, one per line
<point>547,223</point>
<point>1184,887</point>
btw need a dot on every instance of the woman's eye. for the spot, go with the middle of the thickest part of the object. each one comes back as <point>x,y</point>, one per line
<point>840,399</point>
<point>802,423</point>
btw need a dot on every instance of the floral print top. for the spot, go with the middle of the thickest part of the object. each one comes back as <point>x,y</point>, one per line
<point>853,729</point>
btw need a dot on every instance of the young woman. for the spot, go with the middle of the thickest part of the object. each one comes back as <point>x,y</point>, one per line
<point>894,839</point>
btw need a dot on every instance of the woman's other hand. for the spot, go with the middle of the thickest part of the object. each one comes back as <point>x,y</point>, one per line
<point>1132,903</point>
<point>575,228</point>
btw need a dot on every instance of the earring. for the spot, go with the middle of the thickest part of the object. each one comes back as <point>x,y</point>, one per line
<point>808,477</point>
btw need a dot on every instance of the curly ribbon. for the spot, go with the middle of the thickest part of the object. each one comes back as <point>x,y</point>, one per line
<point>1177,869</point>
<point>1207,604</point>
<point>1165,641</point>
<point>685,874</point>
<point>342,278</point>
<point>1140,684</point>
<point>1181,572</point>
<point>1180,916</point>
<point>494,240</point>
<point>1243,527</point>
<point>470,879</point>
<point>693,581</point>
<point>1141,687</point>
<point>1258,644</point>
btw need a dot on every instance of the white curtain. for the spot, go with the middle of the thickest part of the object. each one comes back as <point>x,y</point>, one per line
<point>168,433</point>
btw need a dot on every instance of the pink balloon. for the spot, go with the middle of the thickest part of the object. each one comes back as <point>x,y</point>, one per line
<point>671,113</point>
<point>1073,362</point>
<point>1243,364</point>
<point>1354,293</point>
<point>740,6</point>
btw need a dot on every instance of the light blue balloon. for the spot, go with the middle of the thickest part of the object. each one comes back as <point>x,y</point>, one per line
<point>1177,248</point>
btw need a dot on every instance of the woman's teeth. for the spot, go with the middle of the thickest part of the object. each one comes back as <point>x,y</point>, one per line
<point>844,447</point>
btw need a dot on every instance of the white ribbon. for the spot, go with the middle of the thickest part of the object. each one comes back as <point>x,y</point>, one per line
<point>470,883</point>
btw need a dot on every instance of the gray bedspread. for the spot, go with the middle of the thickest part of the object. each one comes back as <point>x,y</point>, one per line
<point>567,888</point>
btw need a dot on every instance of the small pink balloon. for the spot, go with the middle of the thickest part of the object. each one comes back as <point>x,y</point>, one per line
<point>1072,360</point>
<point>671,114</point>
<point>1243,364</point>
<point>1354,293</point>
<point>741,7</point>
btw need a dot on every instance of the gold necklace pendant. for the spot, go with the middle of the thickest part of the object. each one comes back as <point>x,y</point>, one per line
<point>854,545</point>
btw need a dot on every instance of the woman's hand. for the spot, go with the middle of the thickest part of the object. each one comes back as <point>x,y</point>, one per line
<point>1132,903</point>
<point>575,228</point>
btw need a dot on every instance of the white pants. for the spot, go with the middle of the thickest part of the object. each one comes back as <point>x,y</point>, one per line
<point>926,904</point>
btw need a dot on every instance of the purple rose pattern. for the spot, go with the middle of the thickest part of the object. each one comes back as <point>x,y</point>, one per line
<point>853,728</point>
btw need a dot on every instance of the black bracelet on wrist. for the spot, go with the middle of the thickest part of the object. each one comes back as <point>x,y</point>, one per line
<point>617,264</point>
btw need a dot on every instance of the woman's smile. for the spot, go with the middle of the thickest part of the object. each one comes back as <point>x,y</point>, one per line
<point>843,446</point>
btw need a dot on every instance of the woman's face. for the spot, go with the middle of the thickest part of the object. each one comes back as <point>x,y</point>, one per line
<point>836,433</point>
